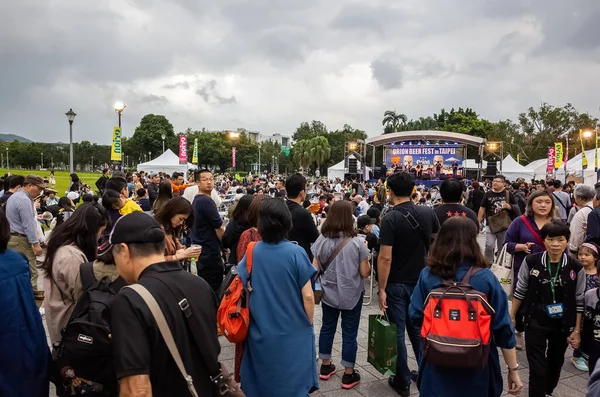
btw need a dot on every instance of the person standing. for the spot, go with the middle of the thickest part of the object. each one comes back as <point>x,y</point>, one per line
<point>304,230</point>
<point>153,187</point>
<point>22,218</point>
<point>405,237</point>
<point>492,203</point>
<point>451,191</point>
<point>562,200</point>
<point>142,360</point>
<point>584,197</point>
<point>178,185</point>
<point>207,231</point>
<point>101,182</point>
<point>12,185</point>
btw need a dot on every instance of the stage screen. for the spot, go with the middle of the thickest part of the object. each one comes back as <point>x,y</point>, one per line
<point>428,156</point>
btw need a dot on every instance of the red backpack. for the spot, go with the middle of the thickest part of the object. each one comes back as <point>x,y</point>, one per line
<point>456,325</point>
<point>233,315</point>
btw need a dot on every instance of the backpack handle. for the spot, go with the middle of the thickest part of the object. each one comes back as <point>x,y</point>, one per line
<point>438,306</point>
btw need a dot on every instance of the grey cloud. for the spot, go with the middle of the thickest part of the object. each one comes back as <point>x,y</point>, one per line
<point>184,84</point>
<point>208,92</point>
<point>154,99</point>
<point>387,73</point>
<point>365,17</point>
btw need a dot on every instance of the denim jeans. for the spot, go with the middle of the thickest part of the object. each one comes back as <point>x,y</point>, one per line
<point>398,300</point>
<point>493,240</point>
<point>350,322</point>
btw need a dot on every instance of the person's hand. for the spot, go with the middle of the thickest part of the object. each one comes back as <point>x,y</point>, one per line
<point>513,320</point>
<point>574,339</point>
<point>186,253</point>
<point>525,247</point>
<point>382,300</point>
<point>514,383</point>
<point>37,249</point>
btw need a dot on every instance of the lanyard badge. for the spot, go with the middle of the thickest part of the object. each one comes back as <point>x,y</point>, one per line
<point>554,310</point>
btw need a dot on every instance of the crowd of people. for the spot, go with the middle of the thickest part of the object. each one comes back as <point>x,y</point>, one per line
<point>178,236</point>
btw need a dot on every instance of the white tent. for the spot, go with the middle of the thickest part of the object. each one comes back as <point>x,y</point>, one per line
<point>538,167</point>
<point>338,170</point>
<point>471,164</point>
<point>513,170</point>
<point>167,162</point>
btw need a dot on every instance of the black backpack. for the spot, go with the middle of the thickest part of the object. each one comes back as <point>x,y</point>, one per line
<point>83,360</point>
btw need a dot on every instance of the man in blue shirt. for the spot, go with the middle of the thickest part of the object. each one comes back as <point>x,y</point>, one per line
<point>22,217</point>
<point>207,231</point>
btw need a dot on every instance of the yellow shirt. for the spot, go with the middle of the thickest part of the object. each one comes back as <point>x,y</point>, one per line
<point>129,207</point>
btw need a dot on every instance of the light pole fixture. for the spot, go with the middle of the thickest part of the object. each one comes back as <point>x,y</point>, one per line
<point>234,135</point>
<point>119,107</point>
<point>70,116</point>
<point>42,160</point>
<point>149,155</point>
<point>7,164</point>
<point>163,136</point>
<point>92,163</point>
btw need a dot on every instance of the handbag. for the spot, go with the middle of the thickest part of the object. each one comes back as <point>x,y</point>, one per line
<point>503,269</point>
<point>319,292</point>
<point>223,380</point>
<point>501,221</point>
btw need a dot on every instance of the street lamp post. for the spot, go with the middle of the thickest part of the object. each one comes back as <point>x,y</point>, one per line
<point>7,164</point>
<point>163,136</point>
<point>119,107</point>
<point>587,134</point>
<point>92,163</point>
<point>71,116</point>
<point>42,160</point>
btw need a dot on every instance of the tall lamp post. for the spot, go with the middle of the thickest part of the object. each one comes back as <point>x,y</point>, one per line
<point>119,107</point>
<point>585,135</point>
<point>7,164</point>
<point>92,163</point>
<point>71,116</point>
<point>42,160</point>
<point>163,136</point>
<point>234,136</point>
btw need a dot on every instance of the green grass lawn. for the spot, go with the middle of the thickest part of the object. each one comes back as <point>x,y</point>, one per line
<point>62,178</point>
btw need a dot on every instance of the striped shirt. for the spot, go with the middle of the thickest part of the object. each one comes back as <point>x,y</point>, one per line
<point>21,215</point>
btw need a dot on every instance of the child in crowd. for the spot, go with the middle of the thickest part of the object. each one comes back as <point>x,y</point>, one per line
<point>143,200</point>
<point>588,255</point>
<point>116,201</point>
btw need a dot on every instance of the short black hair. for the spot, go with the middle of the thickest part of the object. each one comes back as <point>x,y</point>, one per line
<point>451,190</point>
<point>142,250</point>
<point>500,177</point>
<point>294,185</point>
<point>556,228</point>
<point>401,184</point>
<point>87,198</point>
<point>105,170</point>
<point>516,185</point>
<point>200,171</point>
<point>16,180</point>
<point>110,198</point>
<point>274,221</point>
<point>141,192</point>
<point>557,184</point>
<point>116,183</point>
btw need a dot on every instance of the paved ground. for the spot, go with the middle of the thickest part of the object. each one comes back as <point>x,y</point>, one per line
<point>572,383</point>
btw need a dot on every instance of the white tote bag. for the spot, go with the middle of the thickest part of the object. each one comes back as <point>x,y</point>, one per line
<point>504,271</point>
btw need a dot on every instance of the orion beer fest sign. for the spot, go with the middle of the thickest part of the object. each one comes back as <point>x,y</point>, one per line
<point>182,149</point>
<point>551,160</point>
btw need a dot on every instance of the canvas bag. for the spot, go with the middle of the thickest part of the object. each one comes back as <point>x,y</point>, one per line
<point>503,269</point>
<point>501,221</point>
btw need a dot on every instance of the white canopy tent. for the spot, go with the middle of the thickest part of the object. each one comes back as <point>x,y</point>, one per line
<point>338,170</point>
<point>167,162</point>
<point>538,167</point>
<point>513,170</point>
<point>471,164</point>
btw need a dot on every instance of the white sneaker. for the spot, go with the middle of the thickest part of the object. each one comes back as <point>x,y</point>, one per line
<point>520,341</point>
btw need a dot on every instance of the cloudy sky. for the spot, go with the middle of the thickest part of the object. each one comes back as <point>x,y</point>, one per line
<point>268,65</point>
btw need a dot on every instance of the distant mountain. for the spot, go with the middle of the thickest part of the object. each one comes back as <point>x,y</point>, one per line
<point>12,137</point>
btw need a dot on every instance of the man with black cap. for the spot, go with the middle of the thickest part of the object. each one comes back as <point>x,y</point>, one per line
<point>364,224</point>
<point>22,217</point>
<point>142,359</point>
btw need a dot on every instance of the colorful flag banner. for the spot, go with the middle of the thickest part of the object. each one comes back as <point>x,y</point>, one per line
<point>115,150</point>
<point>550,163</point>
<point>233,157</point>
<point>584,160</point>
<point>596,154</point>
<point>518,158</point>
<point>558,155</point>
<point>195,153</point>
<point>182,149</point>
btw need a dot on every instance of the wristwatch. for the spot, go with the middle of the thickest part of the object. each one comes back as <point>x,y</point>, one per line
<point>513,369</point>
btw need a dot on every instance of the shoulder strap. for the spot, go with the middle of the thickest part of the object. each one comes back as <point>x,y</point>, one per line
<point>532,230</point>
<point>560,202</point>
<point>426,240</point>
<point>249,252</point>
<point>335,253</point>
<point>86,274</point>
<point>165,331</point>
<point>470,273</point>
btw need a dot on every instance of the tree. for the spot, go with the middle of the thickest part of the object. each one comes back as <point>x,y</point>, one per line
<point>337,140</point>
<point>320,151</point>
<point>393,121</point>
<point>307,131</point>
<point>463,121</point>
<point>301,153</point>
<point>148,136</point>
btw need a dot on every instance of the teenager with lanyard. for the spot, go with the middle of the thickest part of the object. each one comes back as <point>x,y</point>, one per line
<point>550,290</point>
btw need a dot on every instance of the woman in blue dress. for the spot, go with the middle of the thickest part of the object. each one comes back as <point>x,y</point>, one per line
<point>453,253</point>
<point>279,353</point>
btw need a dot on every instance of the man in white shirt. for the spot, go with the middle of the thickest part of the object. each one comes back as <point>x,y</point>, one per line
<point>584,198</point>
<point>362,204</point>
<point>191,191</point>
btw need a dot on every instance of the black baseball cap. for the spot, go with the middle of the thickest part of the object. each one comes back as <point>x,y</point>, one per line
<point>363,221</point>
<point>137,227</point>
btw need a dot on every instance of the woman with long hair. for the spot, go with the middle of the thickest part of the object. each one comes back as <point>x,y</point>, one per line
<point>342,259</point>
<point>453,253</point>
<point>71,244</point>
<point>274,365</point>
<point>165,193</point>
<point>523,236</point>
<point>66,207</point>
<point>175,217</point>
<point>236,226</point>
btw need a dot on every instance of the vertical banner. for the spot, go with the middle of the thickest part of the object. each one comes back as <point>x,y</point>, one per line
<point>550,163</point>
<point>233,157</point>
<point>558,155</point>
<point>596,153</point>
<point>115,150</point>
<point>195,152</point>
<point>584,160</point>
<point>182,149</point>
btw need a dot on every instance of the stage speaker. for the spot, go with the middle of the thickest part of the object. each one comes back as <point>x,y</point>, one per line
<point>377,173</point>
<point>352,166</point>
<point>471,174</point>
<point>492,168</point>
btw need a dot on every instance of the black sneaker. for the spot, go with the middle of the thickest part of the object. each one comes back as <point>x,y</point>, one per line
<point>404,391</point>
<point>350,380</point>
<point>414,375</point>
<point>326,371</point>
